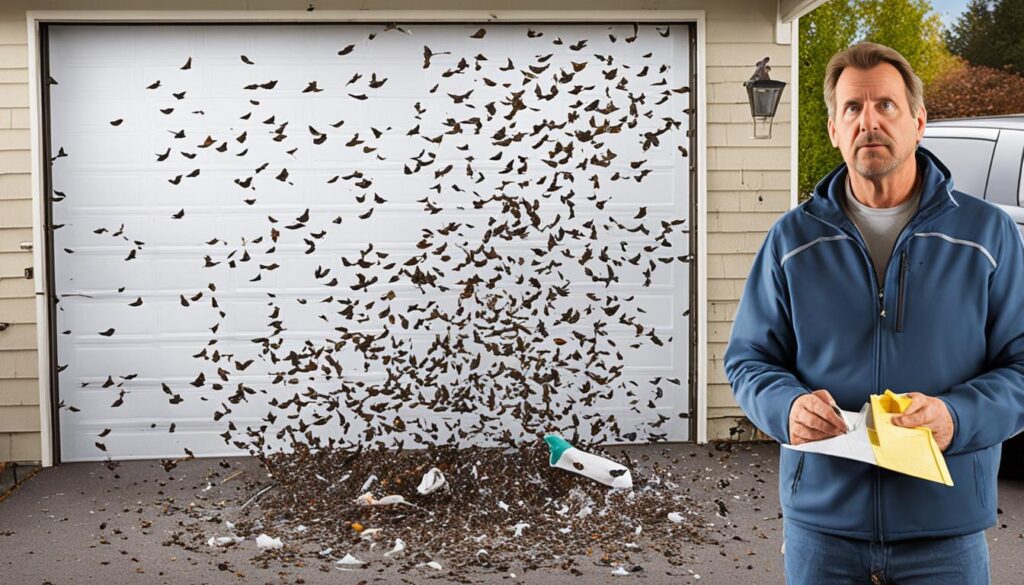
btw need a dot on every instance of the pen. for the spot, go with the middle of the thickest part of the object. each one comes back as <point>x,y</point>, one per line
<point>839,413</point>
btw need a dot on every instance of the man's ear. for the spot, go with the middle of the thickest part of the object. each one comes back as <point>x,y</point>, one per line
<point>832,133</point>
<point>922,120</point>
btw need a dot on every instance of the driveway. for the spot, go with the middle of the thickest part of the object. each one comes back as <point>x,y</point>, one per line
<point>85,523</point>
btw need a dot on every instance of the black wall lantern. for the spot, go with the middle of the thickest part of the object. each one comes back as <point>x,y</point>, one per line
<point>764,95</point>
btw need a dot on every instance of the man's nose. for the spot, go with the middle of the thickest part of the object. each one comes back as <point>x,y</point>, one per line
<point>868,120</point>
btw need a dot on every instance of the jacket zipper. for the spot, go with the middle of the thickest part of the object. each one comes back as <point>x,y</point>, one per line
<point>877,495</point>
<point>904,265</point>
<point>878,382</point>
<point>879,535</point>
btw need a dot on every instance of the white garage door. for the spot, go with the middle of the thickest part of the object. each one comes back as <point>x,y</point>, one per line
<point>368,233</point>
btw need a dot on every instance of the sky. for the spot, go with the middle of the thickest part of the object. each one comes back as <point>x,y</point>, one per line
<point>949,10</point>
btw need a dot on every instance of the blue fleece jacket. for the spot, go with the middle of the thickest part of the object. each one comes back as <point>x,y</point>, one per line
<point>948,321</point>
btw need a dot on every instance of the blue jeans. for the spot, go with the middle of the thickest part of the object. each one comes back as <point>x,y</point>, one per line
<point>814,558</point>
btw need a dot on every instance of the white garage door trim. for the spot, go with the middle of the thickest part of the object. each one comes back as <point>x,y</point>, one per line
<point>36,18</point>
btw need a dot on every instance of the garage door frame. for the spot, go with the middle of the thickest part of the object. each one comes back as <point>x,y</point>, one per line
<point>40,151</point>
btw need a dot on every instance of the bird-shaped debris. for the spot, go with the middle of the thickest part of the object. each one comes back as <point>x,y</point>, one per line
<point>761,70</point>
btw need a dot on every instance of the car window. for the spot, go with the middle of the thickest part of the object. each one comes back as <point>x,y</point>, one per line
<point>967,158</point>
<point>1004,176</point>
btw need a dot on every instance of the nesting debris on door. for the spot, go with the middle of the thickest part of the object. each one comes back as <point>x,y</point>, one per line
<point>517,277</point>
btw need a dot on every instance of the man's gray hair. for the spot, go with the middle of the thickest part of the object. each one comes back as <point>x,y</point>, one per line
<point>866,55</point>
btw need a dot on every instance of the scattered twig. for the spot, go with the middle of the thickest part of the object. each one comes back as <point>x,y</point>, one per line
<point>232,476</point>
<point>258,494</point>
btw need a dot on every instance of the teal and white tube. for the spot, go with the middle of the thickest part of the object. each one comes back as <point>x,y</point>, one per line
<point>565,456</point>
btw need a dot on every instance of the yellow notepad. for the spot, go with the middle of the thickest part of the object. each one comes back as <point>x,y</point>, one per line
<point>912,451</point>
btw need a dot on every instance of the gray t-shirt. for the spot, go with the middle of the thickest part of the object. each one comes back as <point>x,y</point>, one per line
<point>880,226</point>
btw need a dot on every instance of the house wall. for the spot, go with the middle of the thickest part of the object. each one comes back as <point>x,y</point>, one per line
<point>748,181</point>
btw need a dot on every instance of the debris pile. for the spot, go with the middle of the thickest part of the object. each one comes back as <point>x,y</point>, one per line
<point>469,507</point>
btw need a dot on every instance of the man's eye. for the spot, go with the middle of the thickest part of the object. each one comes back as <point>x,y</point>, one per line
<point>851,108</point>
<point>888,105</point>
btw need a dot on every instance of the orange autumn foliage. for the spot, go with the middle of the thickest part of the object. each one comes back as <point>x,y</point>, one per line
<point>974,90</point>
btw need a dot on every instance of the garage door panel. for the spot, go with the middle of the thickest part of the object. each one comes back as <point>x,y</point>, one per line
<point>270,242</point>
<point>185,275</point>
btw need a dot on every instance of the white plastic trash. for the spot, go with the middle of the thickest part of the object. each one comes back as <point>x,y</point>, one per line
<point>265,542</point>
<point>399,547</point>
<point>216,541</point>
<point>350,561</point>
<point>369,481</point>
<point>367,499</point>
<point>369,533</point>
<point>432,481</point>
<point>602,470</point>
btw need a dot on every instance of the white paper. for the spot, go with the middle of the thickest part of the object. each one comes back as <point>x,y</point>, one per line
<point>854,444</point>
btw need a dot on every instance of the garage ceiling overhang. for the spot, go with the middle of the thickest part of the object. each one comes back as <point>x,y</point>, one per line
<point>790,10</point>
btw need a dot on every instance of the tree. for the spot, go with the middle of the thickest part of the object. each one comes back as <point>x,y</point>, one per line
<point>988,33</point>
<point>1008,22</point>
<point>969,36</point>
<point>908,26</point>
<point>912,28</point>
<point>828,29</point>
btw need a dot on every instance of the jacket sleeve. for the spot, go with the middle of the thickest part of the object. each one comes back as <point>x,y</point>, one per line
<point>989,408</point>
<point>762,348</point>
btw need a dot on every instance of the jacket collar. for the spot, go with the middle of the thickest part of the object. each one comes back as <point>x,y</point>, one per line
<point>936,194</point>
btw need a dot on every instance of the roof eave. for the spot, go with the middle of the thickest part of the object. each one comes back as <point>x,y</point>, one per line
<point>790,10</point>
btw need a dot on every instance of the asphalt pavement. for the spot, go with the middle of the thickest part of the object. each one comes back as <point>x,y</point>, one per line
<point>86,523</point>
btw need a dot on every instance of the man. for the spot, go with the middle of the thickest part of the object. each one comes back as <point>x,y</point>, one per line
<point>886,278</point>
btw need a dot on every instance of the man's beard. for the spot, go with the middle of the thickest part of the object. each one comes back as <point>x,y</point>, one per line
<point>870,168</point>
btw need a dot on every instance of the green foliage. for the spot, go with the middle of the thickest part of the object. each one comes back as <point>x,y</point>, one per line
<point>828,29</point>
<point>912,28</point>
<point>909,26</point>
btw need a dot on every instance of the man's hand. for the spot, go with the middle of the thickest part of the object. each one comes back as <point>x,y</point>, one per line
<point>812,418</point>
<point>927,411</point>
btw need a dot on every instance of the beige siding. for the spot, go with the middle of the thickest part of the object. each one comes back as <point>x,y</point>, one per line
<point>719,423</point>
<point>19,386</point>
<point>20,447</point>
<point>748,186</point>
<point>19,419</point>
<point>14,185</point>
<point>747,180</point>
<point>22,392</point>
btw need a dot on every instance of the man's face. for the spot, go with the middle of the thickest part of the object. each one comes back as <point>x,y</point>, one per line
<point>873,126</point>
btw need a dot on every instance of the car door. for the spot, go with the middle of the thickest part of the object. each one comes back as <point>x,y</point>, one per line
<point>985,162</point>
<point>1004,188</point>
